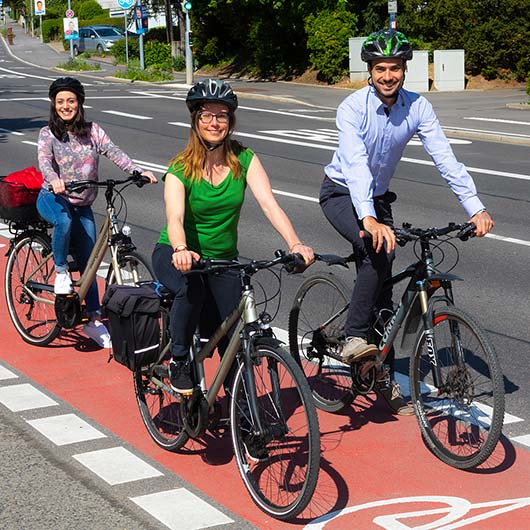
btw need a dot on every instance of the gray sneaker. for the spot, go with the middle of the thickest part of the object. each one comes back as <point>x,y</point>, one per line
<point>356,348</point>
<point>390,391</point>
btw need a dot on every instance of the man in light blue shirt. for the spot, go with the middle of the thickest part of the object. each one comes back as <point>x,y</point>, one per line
<point>375,125</point>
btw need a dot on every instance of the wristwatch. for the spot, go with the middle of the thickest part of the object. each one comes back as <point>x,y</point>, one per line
<point>180,248</point>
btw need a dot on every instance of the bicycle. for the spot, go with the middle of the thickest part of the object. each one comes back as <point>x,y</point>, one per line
<point>270,401</point>
<point>455,379</point>
<point>37,313</point>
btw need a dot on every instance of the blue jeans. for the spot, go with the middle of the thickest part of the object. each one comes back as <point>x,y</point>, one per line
<point>70,222</point>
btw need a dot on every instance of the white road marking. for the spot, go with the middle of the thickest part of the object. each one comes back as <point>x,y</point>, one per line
<point>117,465</point>
<point>66,429</point>
<point>14,133</point>
<point>498,120</point>
<point>27,142</point>
<point>24,397</point>
<point>524,440</point>
<point>6,374</point>
<point>127,115</point>
<point>192,514</point>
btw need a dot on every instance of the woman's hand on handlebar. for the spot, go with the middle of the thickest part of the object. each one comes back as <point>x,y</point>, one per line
<point>380,233</point>
<point>305,251</point>
<point>183,260</point>
<point>150,175</point>
<point>57,186</point>
<point>483,222</point>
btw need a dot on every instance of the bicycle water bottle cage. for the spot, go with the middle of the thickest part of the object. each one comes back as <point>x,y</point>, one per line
<point>68,310</point>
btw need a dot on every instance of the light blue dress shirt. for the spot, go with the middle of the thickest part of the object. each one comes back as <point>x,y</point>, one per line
<point>371,144</point>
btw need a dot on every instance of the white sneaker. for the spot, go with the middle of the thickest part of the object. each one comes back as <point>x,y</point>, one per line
<point>63,283</point>
<point>97,331</point>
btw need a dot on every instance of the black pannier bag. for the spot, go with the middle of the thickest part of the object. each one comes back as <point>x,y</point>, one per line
<point>133,318</point>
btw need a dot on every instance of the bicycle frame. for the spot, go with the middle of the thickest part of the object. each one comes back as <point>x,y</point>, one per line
<point>108,229</point>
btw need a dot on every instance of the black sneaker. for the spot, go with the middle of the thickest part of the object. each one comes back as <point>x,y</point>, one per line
<point>180,376</point>
<point>255,448</point>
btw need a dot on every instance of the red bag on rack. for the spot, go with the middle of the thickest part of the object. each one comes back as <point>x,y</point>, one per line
<point>20,188</point>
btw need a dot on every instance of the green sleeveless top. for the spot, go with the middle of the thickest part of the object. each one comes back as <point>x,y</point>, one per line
<point>212,212</point>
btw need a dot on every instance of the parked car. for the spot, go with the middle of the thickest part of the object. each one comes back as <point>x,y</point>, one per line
<point>97,39</point>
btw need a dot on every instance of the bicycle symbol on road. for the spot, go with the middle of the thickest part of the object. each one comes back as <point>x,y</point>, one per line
<point>455,512</point>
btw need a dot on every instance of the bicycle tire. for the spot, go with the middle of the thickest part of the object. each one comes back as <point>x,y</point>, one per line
<point>35,321</point>
<point>135,269</point>
<point>319,298</point>
<point>282,485</point>
<point>159,409</point>
<point>462,423</point>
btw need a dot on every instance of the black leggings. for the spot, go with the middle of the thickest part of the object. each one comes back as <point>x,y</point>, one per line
<point>372,267</point>
<point>200,299</point>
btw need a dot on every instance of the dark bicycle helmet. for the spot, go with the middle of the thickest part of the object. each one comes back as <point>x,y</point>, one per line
<point>386,44</point>
<point>211,90</point>
<point>67,83</point>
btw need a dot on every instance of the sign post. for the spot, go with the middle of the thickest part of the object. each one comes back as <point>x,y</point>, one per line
<point>392,11</point>
<point>124,4</point>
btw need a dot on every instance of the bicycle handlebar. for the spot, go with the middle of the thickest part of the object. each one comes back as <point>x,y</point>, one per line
<point>409,233</point>
<point>294,263</point>
<point>81,185</point>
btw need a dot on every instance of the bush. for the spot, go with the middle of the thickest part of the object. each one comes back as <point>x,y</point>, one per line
<point>118,50</point>
<point>327,41</point>
<point>528,83</point>
<point>134,73</point>
<point>88,9</point>
<point>52,29</point>
<point>157,54</point>
<point>78,65</point>
<point>489,73</point>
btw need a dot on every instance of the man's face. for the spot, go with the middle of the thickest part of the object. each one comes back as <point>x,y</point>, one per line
<point>387,76</point>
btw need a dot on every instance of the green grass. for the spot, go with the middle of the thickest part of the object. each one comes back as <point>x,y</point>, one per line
<point>78,65</point>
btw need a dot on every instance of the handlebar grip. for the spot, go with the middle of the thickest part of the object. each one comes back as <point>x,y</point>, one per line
<point>467,232</point>
<point>296,265</point>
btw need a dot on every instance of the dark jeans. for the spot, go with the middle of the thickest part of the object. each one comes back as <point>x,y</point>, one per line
<point>372,267</point>
<point>200,299</point>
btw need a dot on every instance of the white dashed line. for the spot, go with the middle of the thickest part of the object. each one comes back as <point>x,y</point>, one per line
<point>117,465</point>
<point>66,429</point>
<point>193,513</point>
<point>24,397</point>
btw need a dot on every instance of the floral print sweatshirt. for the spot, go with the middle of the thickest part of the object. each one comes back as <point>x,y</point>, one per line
<point>78,159</point>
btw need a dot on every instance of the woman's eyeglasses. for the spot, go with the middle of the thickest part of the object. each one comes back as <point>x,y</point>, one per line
<point>207,117</point>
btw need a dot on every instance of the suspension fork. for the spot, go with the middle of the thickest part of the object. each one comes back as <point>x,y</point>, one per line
<point>428,329</point>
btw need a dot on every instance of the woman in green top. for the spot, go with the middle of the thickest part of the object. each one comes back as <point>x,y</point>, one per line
<point>204,191</point>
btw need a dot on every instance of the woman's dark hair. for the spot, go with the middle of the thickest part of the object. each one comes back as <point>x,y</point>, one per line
<point>60,128</point>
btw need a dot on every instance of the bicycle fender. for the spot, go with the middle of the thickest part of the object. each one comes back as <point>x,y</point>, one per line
<point>269,341</point>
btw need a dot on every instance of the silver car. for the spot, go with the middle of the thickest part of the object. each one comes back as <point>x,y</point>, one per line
<point>96,39</point>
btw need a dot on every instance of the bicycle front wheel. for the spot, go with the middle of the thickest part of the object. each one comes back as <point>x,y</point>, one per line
<point>159,408</point>
<point>29,279</point>
<point>279,465</point>
<point>461,420</point>
<point>316,324</point>
<point>134,269</point>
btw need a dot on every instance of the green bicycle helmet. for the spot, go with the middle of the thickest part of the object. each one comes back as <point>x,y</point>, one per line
<point>386,44</point>
<point>211,91</point>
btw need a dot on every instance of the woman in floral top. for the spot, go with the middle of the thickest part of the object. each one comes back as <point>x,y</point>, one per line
<point>68,150</point>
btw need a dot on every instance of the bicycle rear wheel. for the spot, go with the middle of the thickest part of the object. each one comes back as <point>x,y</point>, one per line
<point>28,283</point>
<point>134,268</point>
<point>316,324</point>
<point>282,482</point>
<point>461,421</point>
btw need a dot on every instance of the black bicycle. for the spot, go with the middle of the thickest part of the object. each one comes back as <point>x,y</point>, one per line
<point>270,403</point>
<point>456,383</point>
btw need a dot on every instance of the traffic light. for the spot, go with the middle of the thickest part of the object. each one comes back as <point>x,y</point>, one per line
<point>190,39</point>
<point>186,6</point>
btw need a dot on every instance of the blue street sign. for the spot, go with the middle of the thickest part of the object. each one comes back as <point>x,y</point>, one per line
<point>125,4</point>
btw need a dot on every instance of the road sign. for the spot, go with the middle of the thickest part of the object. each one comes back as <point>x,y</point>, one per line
<point>125,4</point>
<point>69,13</point>
<point>392,6</point>
<point>116,13</point>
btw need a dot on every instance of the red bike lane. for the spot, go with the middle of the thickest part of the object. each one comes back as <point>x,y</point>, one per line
<point>375,470</point>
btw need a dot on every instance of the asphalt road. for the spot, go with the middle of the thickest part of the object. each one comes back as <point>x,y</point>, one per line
<point>292,130</point>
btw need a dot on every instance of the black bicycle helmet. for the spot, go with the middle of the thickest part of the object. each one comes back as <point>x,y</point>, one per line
<point>67,83</point>
<point>386,44</point>
<point>211,90</point>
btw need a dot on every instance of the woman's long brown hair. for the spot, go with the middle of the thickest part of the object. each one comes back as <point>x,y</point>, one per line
<point>192,158</point>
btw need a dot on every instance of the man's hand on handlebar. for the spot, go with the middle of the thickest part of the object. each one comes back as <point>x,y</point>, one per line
<point>379,233</point>
<point>483,222</point>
